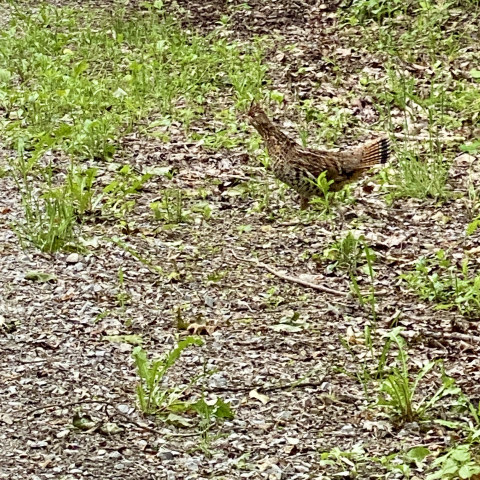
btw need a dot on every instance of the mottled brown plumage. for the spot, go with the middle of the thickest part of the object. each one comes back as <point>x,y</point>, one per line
<point>297,166</point>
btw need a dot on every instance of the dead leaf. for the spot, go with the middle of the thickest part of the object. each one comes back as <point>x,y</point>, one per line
<point>310,278</point>
<point>464,160</point>
<point>395,240</point>
<point>290,449</point>
<point>259,396</point>
<point>46,463</point>
<point>354,338</point>
<point>68,296</point>
<point>198,329</point>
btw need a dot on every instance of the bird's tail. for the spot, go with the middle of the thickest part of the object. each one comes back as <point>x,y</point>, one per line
<point>375,152</point>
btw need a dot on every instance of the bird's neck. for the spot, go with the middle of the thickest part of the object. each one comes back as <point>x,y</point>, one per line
<point>271,133</point>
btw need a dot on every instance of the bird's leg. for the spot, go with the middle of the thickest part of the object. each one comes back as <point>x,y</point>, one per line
<point>304,203</point>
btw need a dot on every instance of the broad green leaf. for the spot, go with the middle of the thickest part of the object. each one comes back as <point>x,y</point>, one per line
<point>140,357</point>
<point>177,420</point>
<point>173,356</point>
<point>277,96</point>
<point>418,454</point>
<point>450,466</point>
<point>472,227</point>
<point>434,476</point>
<point>142,400</point>
<point>40,277</point>
<point>468,471</point>
<point>223,410</point>
<point>461,453</point>
<point>83,422</point>
<point>448,424</point>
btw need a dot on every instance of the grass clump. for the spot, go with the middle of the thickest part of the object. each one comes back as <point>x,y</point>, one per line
<point>83,78</point>
<point>439,280</point>
<point>396,385</point>
<point>50,217</point>
<point>417,176</point>
<point>77,80</point>
<point>156,397</point>
<point>170,208</point>
<point>330,122</point>
<point>419,95</point>
<point>346,253</point>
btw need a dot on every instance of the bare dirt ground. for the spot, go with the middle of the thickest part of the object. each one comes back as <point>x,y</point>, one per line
<point>51,348</point>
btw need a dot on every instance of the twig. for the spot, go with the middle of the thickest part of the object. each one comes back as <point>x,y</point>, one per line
<point>40,360</point>
<point>235,177</point>
<point>124,415</point>
<point>265,389</point>
<point>416,138</point>
<point>291,279</point>
<point>342,398</point>
<point>444,336</point>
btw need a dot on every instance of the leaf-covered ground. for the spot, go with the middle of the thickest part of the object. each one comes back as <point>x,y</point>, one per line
<point>274,345</point>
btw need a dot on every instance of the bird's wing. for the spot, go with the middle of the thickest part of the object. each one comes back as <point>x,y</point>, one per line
<point>318,161</point>
<point>339,163</point>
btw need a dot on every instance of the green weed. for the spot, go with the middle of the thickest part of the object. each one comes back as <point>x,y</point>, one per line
<point>399,388</point>
<point>135,254</point>
<point>370,367</point>
<point>422,170</point>
<point>419,178</point>
<point>122,296</point>
<point>80,184</point>
<point>170,208</point>
<point>154,397</point>
<point>82,78</point>
<point>439,280</point>
<point>50,221</point>
<point>330,122</point>
<point>117,195</point>
<point>459,462</point>
<point>362,11</point>
<point>326,198</point>
<point>346,254</point>
<point>348,461</point>
<point>472,204</point>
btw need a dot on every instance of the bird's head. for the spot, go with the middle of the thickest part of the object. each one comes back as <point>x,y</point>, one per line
<point>257,115</point>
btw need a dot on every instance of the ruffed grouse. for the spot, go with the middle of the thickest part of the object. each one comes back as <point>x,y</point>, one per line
<point>298,167</point>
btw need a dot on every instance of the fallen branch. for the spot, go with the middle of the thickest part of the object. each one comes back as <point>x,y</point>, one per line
<point>291,279</point>
<point>262,388</point>
<point>342,398</point>
<point>443,336</point>
<point>124,415</point>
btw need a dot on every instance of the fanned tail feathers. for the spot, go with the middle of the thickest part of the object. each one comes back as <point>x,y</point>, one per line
<point>377,151</point>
